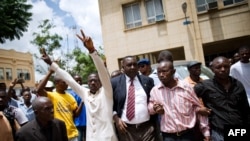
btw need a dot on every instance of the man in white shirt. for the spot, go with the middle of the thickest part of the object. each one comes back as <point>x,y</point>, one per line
<point>241,69</point>
<point>136,124</point>
<point>98,99</point>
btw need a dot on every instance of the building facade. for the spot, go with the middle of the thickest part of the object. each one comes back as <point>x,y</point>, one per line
<point>16,65</point>
<point>190,29</point>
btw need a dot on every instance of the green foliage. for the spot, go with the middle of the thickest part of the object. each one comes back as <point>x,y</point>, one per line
<point>14,17</point>
<point>85,64</point>
<point>45,39</point>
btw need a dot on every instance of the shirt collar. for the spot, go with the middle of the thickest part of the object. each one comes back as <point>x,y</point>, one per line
<point>191,81</point>
<point>180,84</point>
<point>128,79</point>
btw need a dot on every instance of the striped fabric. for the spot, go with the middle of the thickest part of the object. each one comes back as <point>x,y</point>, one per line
<point>131,101</point>
<point>180,106</point>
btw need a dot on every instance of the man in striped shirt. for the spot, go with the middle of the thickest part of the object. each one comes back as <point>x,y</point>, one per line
<point>177,104</point>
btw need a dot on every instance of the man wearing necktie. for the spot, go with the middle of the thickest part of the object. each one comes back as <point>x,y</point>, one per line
<point>131,93</point>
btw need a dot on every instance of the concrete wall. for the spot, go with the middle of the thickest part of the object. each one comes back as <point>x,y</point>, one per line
<point>217,25</point>
<point>17,60</point>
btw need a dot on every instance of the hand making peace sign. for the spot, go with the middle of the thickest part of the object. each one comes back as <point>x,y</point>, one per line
<point>87,41</point>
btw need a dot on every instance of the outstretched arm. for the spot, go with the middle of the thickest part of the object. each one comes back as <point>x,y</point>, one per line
<point>65,76</point>
<point>40,88</point>
<point>99,64</point>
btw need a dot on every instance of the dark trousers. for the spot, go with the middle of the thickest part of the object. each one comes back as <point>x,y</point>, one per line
<point>182,136</point>
<point>197,132</point>
<point>139,132</point>
<point>81,133</point>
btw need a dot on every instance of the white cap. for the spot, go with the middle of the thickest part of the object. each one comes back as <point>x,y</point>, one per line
<point>49,84</point>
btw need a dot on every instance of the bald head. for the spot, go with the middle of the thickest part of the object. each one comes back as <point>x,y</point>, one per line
<point>165,71</point>
<point>166,63</point>
<point>221,68</point>
<point>39,102</point>
<point>219,60</point>
<point>43,109</point>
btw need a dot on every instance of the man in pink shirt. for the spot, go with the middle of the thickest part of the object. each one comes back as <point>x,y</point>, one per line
<point>177,104</point>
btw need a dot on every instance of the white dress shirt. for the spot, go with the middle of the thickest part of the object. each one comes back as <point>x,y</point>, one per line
<point>141,110</point>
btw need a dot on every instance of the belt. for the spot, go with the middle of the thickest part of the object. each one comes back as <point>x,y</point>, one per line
<point>179,133</point>
<point>138,124</point>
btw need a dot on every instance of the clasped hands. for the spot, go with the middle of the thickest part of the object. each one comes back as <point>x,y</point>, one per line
<point>158,108</point>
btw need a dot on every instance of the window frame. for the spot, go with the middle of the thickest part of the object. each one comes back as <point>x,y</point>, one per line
<point>26,74</point>
<point>19,73</point>
<point>155,17</point>
<point>233,2</point>
<point>134,23</point>
<point>9,73</point>
<point>205,5</point>
<point>2,73</point>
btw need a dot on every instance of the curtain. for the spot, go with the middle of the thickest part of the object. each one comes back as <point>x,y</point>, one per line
<point>132,15</point>
<point>158,7</point>
<point>150,8</point>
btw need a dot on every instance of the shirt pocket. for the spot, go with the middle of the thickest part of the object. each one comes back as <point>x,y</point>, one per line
<point>235,98</point>
<point>185,106</point>
<point>215,98</point>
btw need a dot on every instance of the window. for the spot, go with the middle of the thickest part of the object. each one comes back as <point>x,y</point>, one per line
<point>229,2</point>
<point>154,10</point>
<point>19,73</point>
<point>8,73</point>
<point>26,75</point>
<point>204,5</point>
<point>132,15</point>
<point>1,74</point>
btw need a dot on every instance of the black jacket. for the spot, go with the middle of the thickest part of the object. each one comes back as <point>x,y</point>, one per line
<point>33,132</point>
<point>119,90</point>
<point>228,107</point>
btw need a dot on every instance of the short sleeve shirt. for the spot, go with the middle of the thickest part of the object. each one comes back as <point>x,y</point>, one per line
<point>64,106</point>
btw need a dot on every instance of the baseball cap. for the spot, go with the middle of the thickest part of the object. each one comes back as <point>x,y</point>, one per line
<point>193,63</point>
<point>49,84</point>
<point>143,61</point>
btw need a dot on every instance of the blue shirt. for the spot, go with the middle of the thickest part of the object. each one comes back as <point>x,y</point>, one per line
<point>28,111</point>
<point>13,102</point>
<point>81,119</point>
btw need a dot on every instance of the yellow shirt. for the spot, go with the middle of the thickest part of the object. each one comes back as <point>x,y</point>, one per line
<point>64,105</point>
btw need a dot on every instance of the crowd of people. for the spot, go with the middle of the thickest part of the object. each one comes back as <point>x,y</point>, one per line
<point>135,103</point>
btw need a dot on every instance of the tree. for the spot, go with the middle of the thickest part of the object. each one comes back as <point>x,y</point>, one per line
<point>14,19</point>
<point>44,39</point>
<point>84,63</point>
